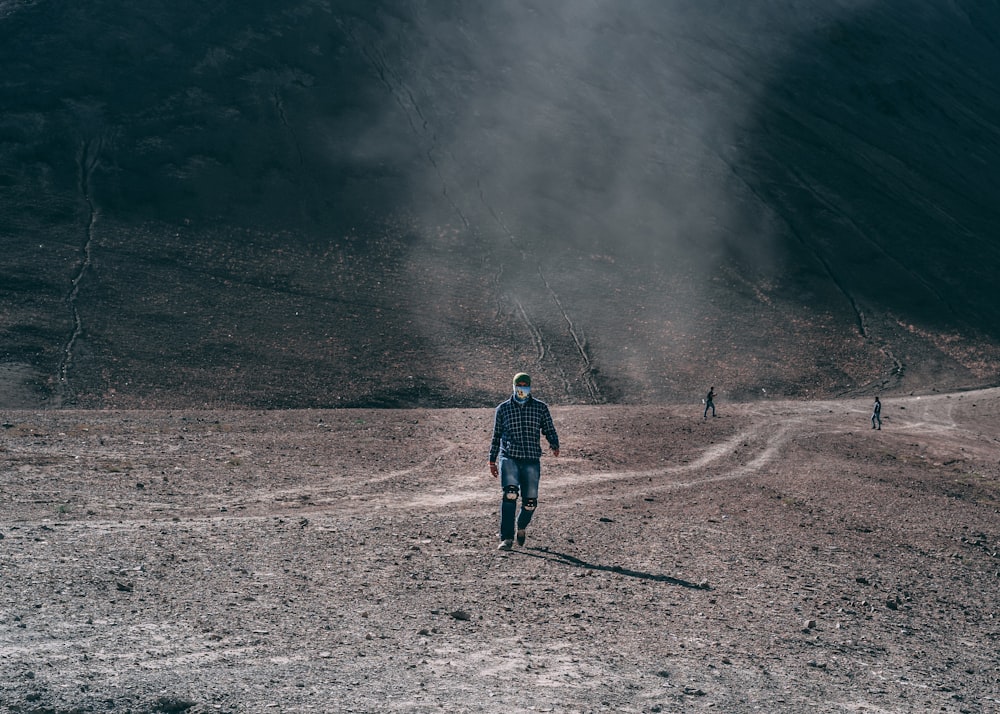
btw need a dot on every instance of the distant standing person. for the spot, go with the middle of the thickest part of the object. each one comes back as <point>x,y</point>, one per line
<point>710,402</point>
<point>877,414</point>
<point>515,456</point>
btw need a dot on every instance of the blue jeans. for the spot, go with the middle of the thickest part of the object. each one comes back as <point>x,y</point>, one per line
<point>522,474</point>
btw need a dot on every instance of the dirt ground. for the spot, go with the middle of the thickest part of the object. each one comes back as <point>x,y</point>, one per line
<point>781,557</point>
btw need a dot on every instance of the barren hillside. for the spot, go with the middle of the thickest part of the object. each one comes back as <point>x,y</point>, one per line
<point>400,204</point>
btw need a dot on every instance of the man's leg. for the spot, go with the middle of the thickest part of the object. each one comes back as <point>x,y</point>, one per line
<point>530,472</point>
<point>509,485</point>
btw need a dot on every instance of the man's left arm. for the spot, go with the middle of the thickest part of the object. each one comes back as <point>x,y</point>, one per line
<point>549,430</point>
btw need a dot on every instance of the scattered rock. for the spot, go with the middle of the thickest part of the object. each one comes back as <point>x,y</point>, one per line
<point>169,705</point>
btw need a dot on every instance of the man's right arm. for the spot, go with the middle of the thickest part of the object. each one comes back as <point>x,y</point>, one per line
<point>495,443</point>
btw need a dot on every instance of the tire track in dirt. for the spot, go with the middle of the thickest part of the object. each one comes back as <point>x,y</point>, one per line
<point>587,367</point>
<point>536,334</point>
<point>766,439</point>
<point>309,499</point>
<point>772,444</point>
<point>87,160</point>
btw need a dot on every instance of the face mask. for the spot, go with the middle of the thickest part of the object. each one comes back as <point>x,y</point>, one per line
<point>521,393</point>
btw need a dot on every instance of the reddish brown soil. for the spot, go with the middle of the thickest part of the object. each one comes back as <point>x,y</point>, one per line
<point>781,557</point>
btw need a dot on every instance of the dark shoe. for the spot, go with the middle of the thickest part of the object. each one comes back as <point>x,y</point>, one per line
<point>521,535</point>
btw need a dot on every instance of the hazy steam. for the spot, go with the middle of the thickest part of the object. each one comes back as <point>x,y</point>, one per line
<point>604,129</point>
<point>592,124</point>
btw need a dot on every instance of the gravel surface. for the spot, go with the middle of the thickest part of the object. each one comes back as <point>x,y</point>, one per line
<point>781,557</point>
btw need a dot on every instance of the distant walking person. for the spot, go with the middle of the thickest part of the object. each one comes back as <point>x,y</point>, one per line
<point>710,402</point>
<point>517,424</point>
<point>877,415</point>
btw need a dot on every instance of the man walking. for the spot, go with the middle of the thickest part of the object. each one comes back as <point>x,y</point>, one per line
<point>709,402</point>
<point>517,424</point>
<point>877,414</point>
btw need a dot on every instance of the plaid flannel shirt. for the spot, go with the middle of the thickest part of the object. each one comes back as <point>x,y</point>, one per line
<point>516,429</point>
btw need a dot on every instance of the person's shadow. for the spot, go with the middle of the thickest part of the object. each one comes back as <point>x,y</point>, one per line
<point>556,557</point>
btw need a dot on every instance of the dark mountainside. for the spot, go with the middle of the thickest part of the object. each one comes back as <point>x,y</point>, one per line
<point>402,204</point>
